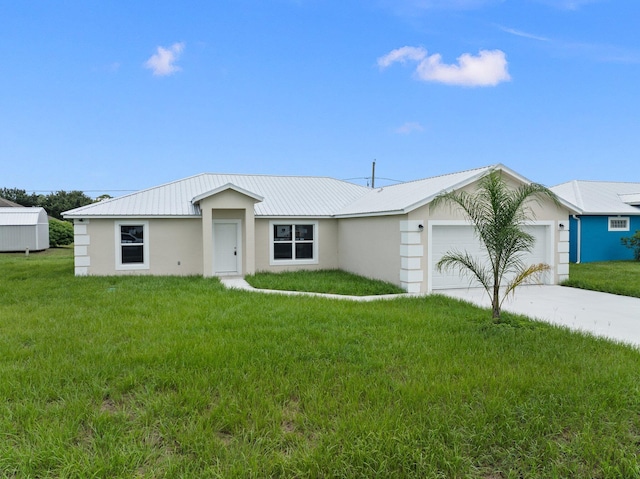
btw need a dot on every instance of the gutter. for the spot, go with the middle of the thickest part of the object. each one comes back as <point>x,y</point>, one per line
<point>579,238</point>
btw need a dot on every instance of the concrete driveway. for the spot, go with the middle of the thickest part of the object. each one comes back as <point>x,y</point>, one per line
<point>608,315</point>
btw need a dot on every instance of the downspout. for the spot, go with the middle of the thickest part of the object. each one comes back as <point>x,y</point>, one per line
<point>578,236</point>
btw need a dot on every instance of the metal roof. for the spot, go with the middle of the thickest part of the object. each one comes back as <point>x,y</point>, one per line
<point>22,216</point>
<point>601,197</point>
<point>405,197</point>
<point>283,196</point>
<point>286,196</point>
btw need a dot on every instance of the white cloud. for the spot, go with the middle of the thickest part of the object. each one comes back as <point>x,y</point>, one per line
<point>402,55</point>
<point>163,62</point>
<point>409,127</point>
<point>488,68</point>
<point>520,33</point>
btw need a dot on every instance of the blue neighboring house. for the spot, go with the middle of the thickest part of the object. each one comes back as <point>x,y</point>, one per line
<point>610,211</point>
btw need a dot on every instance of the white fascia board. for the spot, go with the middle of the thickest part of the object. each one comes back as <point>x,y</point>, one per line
<point>373,213</point>
<point>294,217</point>
<point>456,186</point>
<point>128,217</point>
<point>228,186</point>
<point>498,167</point>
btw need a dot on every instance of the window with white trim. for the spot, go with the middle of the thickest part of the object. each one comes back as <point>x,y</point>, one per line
<point>132,245</point>
<point>293,243</point>
<point>618,223</point>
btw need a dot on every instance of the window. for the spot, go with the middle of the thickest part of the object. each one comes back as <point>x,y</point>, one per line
<point>132,245</point>
<point>293,243</point>
<point>618,223</point>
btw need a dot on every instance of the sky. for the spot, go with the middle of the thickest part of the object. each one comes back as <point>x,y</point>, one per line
<point>116,96</point>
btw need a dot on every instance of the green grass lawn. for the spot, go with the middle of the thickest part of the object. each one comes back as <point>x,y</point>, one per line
<point>121,377</point>
<point>323,281</point>
<point>617,277</point>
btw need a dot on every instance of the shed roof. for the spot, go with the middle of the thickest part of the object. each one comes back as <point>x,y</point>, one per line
<point>601,197</point>
<point>22,216</point>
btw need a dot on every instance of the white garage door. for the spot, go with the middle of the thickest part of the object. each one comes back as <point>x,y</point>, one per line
<point>449,238</point>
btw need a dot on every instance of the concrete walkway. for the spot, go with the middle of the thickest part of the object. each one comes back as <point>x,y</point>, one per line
<point>601,314</point>
<point>607,315</point>
<point>240,283</point>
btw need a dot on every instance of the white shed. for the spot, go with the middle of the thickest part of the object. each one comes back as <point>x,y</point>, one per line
<point>22,228</point>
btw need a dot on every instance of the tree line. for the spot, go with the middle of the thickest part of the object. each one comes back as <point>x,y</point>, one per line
<point>54,203</point>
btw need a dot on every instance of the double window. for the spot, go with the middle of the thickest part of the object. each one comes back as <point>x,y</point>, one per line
<point>294,243</point>
<point>132,245</point>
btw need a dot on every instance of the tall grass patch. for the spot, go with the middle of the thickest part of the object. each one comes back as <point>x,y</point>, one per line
<point>330,281</point>
<point>617,277</point>
<point>178,377</point>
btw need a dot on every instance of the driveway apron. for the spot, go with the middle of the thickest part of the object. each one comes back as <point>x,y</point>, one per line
<point>601,314</point>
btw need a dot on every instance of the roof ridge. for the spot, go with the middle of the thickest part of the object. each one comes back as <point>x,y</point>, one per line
<point>440,176</point>
<point>577,193</point>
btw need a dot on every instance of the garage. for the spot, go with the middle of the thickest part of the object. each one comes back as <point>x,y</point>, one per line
<point>445,238</point>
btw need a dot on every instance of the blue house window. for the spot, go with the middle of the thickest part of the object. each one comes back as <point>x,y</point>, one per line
<point>618,223</point>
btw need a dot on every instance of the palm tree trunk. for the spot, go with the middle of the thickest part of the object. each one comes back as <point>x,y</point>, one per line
<point>495,303</point>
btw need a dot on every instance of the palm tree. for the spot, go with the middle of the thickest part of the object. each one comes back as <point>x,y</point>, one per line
<point>498,213</point>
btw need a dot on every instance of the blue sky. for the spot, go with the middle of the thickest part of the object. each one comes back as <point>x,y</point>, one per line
<point>113,96</point>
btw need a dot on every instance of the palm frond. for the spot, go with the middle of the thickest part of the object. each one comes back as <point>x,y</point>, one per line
<point>526,275</point>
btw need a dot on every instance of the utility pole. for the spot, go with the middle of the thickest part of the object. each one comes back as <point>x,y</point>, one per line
<point>373,174</point>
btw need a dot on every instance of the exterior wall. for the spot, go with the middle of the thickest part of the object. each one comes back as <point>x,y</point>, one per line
<point>546,213</point>
<point>175,247</point>
<point>326,236</point>
<point>23,237</point>
<point>20,237</point>
<point>371,247</point>
<point>597,243</point>
<point>228,204</point>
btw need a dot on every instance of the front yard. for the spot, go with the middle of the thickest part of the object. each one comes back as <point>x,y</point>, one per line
<point>617,277</point>
<point>120,377</point>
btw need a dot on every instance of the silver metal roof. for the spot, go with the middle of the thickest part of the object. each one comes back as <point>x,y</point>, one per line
<point>405,197</point>
<point>286,196</point>
<point>601,197</point>
<point>282,196</point>
<point>22,216</point>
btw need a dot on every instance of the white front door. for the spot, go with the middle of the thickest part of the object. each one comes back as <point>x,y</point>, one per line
<point>226,247</point>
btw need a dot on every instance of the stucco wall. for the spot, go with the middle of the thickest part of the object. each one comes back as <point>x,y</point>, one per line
<point>545,213</point>
<point>175,247</point>
<point>326,235</point>
<point>371,247</point>
<point>597,243</point>
<point>228,204</point>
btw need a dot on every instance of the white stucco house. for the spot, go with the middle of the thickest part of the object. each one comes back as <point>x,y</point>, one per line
<point>220,224</point>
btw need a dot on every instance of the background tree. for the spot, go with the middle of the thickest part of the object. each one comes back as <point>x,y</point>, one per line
<point>20,196</point>
<point>60,233</point>
<point>498,213</point>
<point>633,243</point>
<point>60,201</point>
<point>53,203</point>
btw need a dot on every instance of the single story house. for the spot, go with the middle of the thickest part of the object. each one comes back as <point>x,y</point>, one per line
<point>609,211</point>
<point>219,224</point>
<point>23,228</point>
